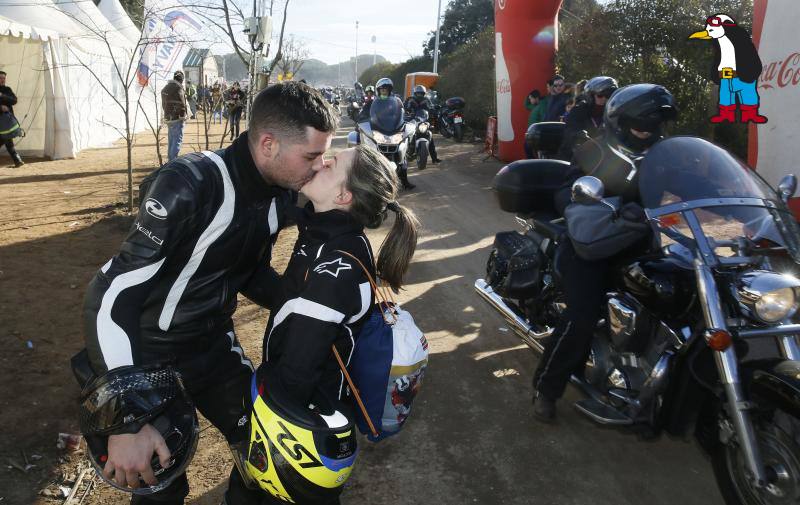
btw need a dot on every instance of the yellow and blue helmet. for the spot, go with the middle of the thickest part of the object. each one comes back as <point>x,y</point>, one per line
<point>298,453</point>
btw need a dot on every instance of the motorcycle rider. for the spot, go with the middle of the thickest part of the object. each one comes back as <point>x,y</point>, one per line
<point>587,115</point>
<point>634,119</point>
<point>384,88</point>
<point>417,102</point>
<point>358,92</point>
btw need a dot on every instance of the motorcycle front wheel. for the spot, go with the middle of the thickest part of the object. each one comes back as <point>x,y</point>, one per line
<point>778,437</point>
<point>422,156</point>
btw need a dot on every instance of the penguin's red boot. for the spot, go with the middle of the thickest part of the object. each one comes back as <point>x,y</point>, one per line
<point>750,113</point>
<point>727,113</point>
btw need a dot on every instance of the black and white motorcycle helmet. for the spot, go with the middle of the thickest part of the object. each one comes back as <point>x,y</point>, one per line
<point>123,400</point>
<point>642,107</point>
<point>419,91</point>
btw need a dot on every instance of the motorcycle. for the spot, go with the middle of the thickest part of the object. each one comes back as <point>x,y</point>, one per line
<point>684,343</point>
<point>451,119</point>
<point>354,109</point>
<point>418,147</point>
<point>387,131</point>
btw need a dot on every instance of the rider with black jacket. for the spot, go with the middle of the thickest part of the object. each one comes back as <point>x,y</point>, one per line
<point>419,102</point>
<point>634,119</point>
<point>587,115</point>
<point>204,233</point>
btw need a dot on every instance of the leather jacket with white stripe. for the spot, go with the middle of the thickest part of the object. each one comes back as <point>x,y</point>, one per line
<point>327,300</point>
<point>205,230</point>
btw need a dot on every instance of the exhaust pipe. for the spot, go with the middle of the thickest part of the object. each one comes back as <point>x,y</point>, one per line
<point>519,325</point>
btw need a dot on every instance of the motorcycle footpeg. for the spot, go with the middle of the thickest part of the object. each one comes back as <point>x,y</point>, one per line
<point>602,413</point>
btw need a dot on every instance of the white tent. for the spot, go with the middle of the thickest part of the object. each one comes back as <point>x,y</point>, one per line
<point>64,60</point>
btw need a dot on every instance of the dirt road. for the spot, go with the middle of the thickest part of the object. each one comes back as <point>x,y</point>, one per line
<point>472,438</point>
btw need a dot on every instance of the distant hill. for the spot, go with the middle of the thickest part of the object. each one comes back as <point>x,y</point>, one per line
<point>315,72</point>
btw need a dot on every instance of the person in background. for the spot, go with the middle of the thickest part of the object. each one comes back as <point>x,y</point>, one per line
<point>587,116</point>
<point>173,102</point>
<point>216,102</point>
<point>557,101</point>
<point>235,103</point>
<point>7,101</point>
<point>536,106</point>
<point>191,98</point>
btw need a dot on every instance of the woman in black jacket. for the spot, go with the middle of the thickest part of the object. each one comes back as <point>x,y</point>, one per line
<point>327,296</point>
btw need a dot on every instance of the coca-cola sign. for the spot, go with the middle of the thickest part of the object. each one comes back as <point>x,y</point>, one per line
<point>781,73</point>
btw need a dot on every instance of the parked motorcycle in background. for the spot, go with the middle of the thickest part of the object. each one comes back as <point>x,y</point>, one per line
<point>387,131</point>
<point>420,142</point>
<point>451,118</point>
<point>698,336</point>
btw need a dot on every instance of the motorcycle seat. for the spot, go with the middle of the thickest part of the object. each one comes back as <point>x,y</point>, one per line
<point>554,230</point>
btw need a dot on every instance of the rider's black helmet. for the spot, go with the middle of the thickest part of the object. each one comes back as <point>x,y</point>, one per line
<point>642,107</point>
<point>125,399</point>
<point>358,85</point>
<point>601,85</point>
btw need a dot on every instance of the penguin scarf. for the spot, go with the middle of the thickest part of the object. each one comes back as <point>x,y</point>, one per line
<point>735,69</point>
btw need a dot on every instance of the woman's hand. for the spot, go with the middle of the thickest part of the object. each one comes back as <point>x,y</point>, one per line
<point>129,456</point>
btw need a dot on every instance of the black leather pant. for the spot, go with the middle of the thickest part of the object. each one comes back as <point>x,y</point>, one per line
<point>222,395</point>
<point>568,348</point>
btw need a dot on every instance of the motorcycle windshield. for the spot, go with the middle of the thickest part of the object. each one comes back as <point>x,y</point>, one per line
<point>693,187</point>
<point>386,115</point>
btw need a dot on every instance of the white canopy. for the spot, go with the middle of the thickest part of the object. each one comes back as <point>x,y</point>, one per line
<point>69,83</point>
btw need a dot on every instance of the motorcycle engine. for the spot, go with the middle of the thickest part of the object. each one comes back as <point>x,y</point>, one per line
<point>638,340</point>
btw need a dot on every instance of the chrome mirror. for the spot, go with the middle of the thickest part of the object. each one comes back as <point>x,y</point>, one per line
<point>787,187</point>
<point>587,190</point>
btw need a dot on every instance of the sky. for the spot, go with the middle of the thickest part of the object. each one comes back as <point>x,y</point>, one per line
<point>328,27</point>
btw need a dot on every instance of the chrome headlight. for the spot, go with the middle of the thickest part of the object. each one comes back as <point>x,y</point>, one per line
<point>768,296</point>
<point>423,127</point>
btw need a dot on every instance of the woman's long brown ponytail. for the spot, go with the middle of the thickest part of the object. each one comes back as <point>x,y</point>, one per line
<point>374,185</point>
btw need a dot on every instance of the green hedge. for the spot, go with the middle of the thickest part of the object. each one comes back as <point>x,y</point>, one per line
<point>469,73</point>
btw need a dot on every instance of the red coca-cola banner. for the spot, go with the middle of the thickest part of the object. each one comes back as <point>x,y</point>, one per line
<point>526,38</point>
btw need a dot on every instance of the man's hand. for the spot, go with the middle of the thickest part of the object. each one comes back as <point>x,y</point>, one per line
<point>3,108</point>
<point>129,456</point>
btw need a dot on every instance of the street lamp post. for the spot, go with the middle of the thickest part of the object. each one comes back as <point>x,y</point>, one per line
<point>356,50</point>
<point>374,51</point>
<point>436,44</point>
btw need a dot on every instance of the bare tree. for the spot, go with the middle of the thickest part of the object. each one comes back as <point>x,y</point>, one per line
<point>124,56</point>
<point>293,55</point>
<point>228,17</point>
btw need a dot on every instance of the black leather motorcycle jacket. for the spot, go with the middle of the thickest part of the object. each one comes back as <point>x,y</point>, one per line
<point>205,230</point>
<point>327,300</point>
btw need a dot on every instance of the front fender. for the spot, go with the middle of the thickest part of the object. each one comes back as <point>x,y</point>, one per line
<point>774,383</point>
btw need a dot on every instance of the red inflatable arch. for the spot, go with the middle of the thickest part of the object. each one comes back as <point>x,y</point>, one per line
<point>526,38</point>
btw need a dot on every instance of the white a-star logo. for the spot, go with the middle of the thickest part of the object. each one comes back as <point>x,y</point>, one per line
<point>302,251</point>
<point>333,267</point>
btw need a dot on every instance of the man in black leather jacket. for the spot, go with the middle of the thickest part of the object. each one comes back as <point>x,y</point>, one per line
<point>204,233</point>
<point>634,119</point>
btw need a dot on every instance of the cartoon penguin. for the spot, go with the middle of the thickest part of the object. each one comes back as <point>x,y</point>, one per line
<point>736,69</point>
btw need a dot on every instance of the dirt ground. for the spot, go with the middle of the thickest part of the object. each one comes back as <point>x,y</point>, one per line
<point>472,438</point>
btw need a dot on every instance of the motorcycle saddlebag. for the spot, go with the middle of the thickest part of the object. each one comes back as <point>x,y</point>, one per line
<point>528,186</point>
<point>455,102</point>
<point>545,137</point>
<point>514,266</point>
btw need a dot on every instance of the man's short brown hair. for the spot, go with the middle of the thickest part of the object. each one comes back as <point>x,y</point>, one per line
<point>287,108</point>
